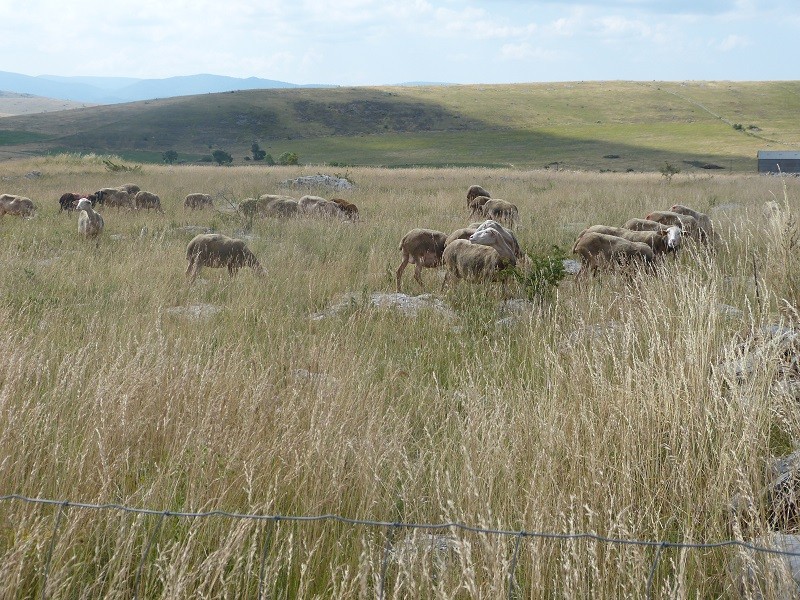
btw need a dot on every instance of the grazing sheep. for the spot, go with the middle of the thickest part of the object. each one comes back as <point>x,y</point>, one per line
<point>196,200</point>
<point>462,233</point>
<point>147,200</point>
<point>508,235</point>
<point>687,222</point>
<point>707,234</point>
<point>271,205</point>
<point>349,209</point>
<point>217,250</point>
<point>318,206</point>
<point>500,210</point>
<point>69,200</point>
<point>11,204</point>
<point>473,262</point>
<point>643,225</point>
<point>493,238</point>
<point>476,205</point>
<point>131,188</point>
<point>114,197</point>
<point>662,241</point>
<point>90,223</point>
<point>474,191</point>
<point>423,248</point>
<point>600,250</point>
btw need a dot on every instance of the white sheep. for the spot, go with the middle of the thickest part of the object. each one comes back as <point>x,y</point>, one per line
<point>114,197</point>
<point>508,235</point>
<point>423,248</point>
<point>494,239</point>
<point>318,206</point>
<point>644,225</point>
<point>473,262</point>
<point>688,223</point>
<point>462,233</point>
<point>90,222</point>
<point>216,250</point>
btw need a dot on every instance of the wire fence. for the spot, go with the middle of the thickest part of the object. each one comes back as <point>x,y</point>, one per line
<point>391,528</point>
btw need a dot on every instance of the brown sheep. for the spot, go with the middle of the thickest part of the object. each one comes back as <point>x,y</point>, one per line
<point>600,250</point>
<point>217,250</point>
<point>462,233</point>
<point>423,248</point>
<point>131,188</point>
<point>349,209</point>
<point>69,200</point>
<point>476,205</point>
<point>663,241</point>
<point>11,204</point>
<point>196,201</point>
<point>474,262</point>
<point>687,222</point>
<point>114,197</point>
<point>643,225</point>
<point>707,234</point>
<point>474,191</point>
<point>147,200</point>
<point>501,211</point>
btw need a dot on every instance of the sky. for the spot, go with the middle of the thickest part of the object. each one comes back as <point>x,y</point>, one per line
<point>380,42</point>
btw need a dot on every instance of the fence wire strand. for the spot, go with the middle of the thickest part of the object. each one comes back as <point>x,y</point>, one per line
<point>271,521</point>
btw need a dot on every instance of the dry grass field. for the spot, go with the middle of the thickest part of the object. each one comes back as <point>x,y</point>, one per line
<point>611,407</point>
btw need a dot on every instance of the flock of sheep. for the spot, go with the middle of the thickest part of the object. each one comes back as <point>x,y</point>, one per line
<point>477,253</point>
<point>481,251</point>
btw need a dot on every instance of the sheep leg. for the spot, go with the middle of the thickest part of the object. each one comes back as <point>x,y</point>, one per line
<point>418,273</point>
<point>400,270</point>
<point>193,269</point>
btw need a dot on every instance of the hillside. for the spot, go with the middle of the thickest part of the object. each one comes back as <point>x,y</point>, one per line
<point>614,126</point>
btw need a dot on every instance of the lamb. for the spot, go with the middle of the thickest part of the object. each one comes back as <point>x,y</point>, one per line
<point>423,248</point>
<point>707,234</point>
<point>147,200</point>
<point>687,222</point>
<point>115,198</point>
<point>217,250</point>
<point>600,250</point>
<point>11,204</point>
<point>474,191</point>
<point>500,210</point>
<point>196,200</point>
<point>90,223</point>
<point>349,209</point>
<point>473,262</point>
<point>661,242</point>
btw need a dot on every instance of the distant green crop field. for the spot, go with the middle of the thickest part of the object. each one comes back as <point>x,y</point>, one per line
<point>12,138</point>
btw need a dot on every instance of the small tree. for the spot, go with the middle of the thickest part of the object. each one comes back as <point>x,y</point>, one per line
<point>288,158</point>
<point>169,157</point>
<point>220,156</point>
<point>668,170</point>
<point>258,153</point>
<point>269,160</point>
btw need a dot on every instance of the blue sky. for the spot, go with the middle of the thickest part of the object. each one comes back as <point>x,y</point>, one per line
<point>376,42</point>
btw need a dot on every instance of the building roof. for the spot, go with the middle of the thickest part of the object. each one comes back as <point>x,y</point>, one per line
<point>778,155</point>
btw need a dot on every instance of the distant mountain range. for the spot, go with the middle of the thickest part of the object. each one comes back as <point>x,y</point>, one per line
<point>114,90</point>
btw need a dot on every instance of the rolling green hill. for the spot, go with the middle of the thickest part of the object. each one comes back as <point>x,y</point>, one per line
<point>615,126</point>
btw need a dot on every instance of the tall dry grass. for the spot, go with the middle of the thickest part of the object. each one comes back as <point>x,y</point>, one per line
<point>614,408</point>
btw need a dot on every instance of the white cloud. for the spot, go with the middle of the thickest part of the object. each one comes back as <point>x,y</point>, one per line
<point>732,42</point>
